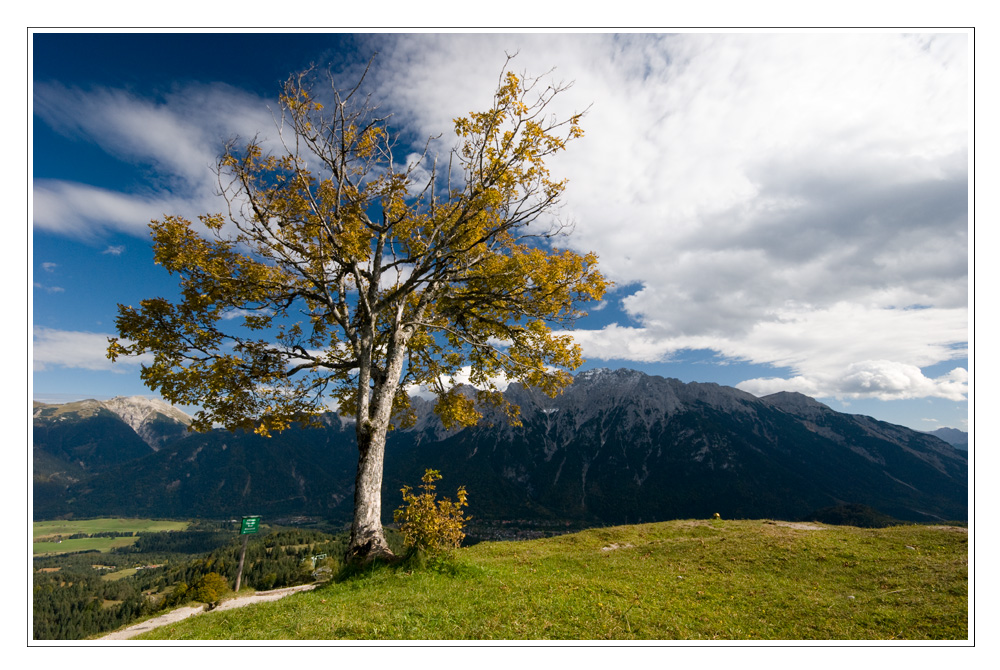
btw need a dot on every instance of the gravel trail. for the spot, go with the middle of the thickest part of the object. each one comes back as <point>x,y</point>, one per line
<point>184,612</point>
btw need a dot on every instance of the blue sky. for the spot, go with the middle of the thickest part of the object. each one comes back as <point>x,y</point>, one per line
<point>779,211</point>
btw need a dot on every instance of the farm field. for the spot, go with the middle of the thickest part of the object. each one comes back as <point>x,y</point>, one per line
<point>52,537</point>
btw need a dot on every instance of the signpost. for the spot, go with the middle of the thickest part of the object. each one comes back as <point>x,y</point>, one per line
<point>250,525</point>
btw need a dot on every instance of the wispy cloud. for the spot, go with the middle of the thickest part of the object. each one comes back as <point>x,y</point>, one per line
<point>52,348</point>
<point>84,211</point>
<point>178,138</point>
<point>115,250</point>
<point>50,267</point>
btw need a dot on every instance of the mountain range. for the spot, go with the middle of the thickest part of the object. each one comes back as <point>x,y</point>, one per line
<point>74,441</point>
<point>618,446</point>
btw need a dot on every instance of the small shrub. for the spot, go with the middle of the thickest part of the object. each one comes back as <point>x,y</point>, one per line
<point>430,525</point>
<point>178,595</point>
<point>210,589</point>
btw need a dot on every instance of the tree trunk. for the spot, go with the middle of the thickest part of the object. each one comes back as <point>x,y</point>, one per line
<point>374,414</point>
<point>367,538</point>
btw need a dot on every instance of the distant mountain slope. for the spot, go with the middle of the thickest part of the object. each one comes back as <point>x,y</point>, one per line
<point>83,436</point>
<point>623,446</point>
<point>953,436</point>
<point>616,446</point>
<point>224,474</point>
<point>73,441</point>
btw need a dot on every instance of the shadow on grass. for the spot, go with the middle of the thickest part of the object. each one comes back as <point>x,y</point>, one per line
<point>448,564</point>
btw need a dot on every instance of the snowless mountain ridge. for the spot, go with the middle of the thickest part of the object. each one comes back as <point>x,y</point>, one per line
<point>138,410</point>
<point>154,420</point>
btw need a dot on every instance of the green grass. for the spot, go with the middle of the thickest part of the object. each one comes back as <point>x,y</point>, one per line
<point>45,533</point>
<point>119,574</point>
<point>689,580</point>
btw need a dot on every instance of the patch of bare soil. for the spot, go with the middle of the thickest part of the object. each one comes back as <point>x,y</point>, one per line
<point>691,523</point>
<point>952,529</point>
<point>184,612</point>
<point>801,525</point>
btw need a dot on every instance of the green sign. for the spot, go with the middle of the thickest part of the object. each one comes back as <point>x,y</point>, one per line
<point>251,524</point>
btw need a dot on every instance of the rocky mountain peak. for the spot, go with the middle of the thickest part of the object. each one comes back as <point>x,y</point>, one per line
<point>141,413</point>
<point>608,376</point>
<point>136,410</point>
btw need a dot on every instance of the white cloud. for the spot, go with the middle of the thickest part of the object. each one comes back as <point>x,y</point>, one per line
<point>53,348</point>
<point>845,350</point>
<point>50,267</point>
<point>179,136</point>
<point>115,250</point>
<point>780,199</point>
<point>231,314</point>
<point>462,377</point>
<point>885,380</point>
<point>614,342</point>
<point>80,210</point>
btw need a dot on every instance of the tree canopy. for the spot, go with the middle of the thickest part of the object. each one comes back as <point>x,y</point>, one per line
<point>338,272</point>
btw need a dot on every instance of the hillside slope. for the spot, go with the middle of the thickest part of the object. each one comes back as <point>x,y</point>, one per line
<point>623,446</point>
<point>679,580</point>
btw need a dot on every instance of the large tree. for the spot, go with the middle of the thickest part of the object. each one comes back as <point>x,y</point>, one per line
<point>338,273</point>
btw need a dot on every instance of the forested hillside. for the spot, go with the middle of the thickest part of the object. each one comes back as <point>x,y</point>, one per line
<point>80,595</point>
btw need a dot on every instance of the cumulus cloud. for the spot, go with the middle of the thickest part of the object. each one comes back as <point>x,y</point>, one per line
<point>54,348</point>
<point>845,350</point>
<point>794,200</point>
<point>462,377</point>
<point>614,342</point>
<point>885,380</point>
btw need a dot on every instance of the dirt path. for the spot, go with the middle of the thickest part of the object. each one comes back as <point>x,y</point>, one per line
<point>184,612</point>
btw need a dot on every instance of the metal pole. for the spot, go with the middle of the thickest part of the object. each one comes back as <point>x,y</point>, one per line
<point>239,570</point>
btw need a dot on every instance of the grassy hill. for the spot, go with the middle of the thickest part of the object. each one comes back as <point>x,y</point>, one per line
<point>678,580</point>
